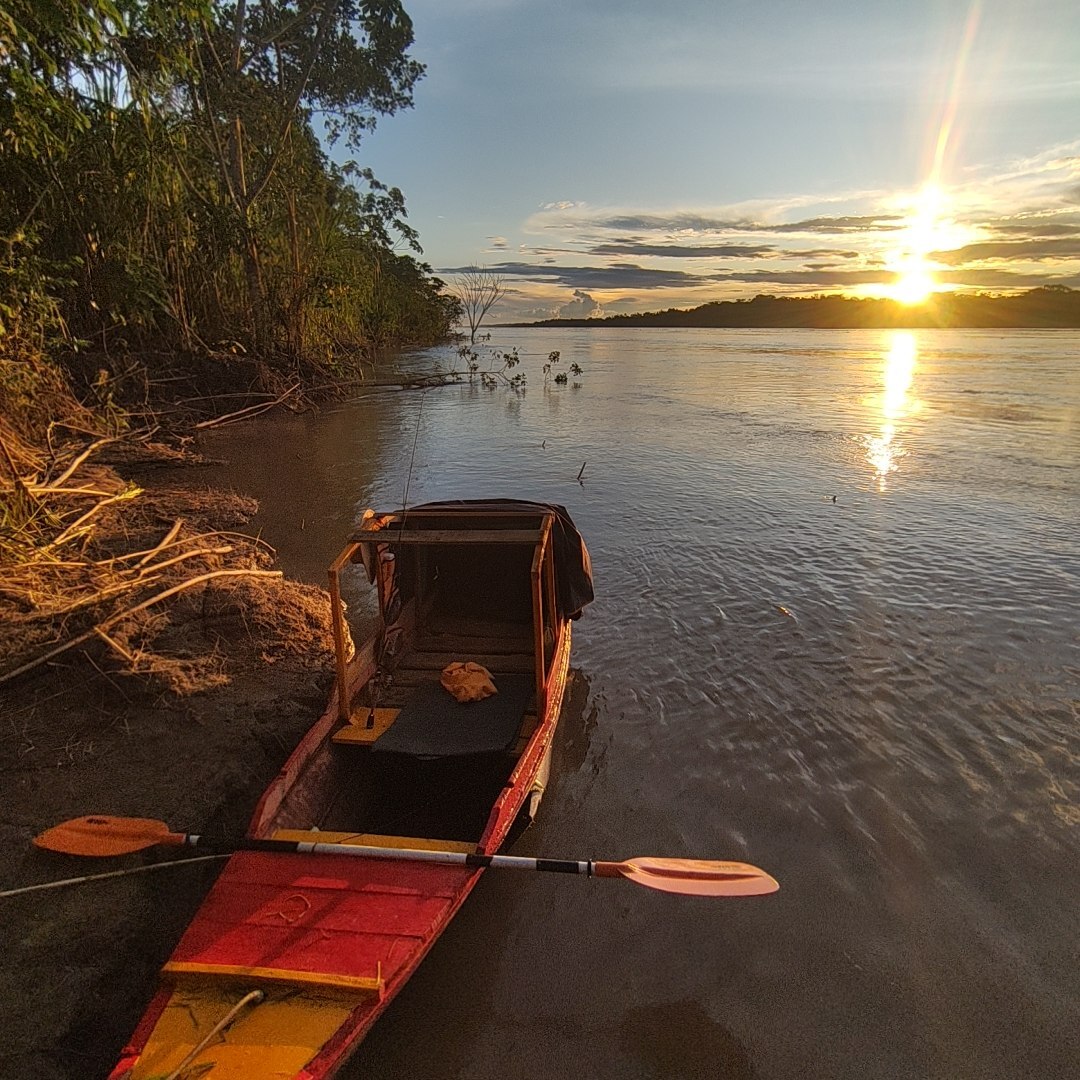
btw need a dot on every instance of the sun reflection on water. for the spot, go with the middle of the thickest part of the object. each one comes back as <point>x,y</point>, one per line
<point>883,451</point>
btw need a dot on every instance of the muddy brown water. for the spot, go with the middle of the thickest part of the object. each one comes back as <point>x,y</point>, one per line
<point>835,634</point>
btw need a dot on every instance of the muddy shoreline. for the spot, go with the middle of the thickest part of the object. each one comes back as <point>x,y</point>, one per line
<point>239,668</point>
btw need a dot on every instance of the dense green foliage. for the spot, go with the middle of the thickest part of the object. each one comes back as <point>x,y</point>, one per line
<point>166,191</point>
<point>1052,306</point>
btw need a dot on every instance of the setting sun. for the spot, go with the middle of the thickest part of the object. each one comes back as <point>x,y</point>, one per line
<point>925,231</point>
<point>914,285</point>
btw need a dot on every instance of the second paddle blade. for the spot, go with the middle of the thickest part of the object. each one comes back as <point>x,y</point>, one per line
<point>98,835</point>
<point>697,877</point>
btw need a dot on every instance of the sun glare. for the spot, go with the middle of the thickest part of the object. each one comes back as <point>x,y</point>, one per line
<point>926,230</point>
<point>914,285</point>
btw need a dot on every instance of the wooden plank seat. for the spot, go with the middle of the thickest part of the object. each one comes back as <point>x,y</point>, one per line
<point>367,986</point>
<point>392,535</point>
<point>428,662</point>
<point>455,632</point>
<point>516,641</point>
<point>413,843</point>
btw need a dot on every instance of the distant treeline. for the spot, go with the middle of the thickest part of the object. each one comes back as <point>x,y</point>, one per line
<point>1049,307</point>
<point>164,191</point>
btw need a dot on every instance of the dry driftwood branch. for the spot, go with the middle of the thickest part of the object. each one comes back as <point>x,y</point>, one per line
<point>181,558</point>
<point>95,598</point>
<point>224,397</point>
<point>133,578</point>
<point>251,410</point>
<point>185,540</point>
<point>118,616</point>
<point>71,530</point>
<point>169,537</point>
<point>114,644</point>
<point>67,473</point>
<point>48,489</point>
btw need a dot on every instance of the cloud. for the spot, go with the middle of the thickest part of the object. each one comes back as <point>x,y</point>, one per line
<point>849,224</point>
<point>714,251</point>
<point>811,278</point>
<point>497,241</point>
<point>583,306</point>
<point>619,276</point>
<point>1035,229</point>
<point>688,223</point>
<point>1038,250</point>
<point>682,251</point>
<point>822,253</point>
<point>1007,279</point>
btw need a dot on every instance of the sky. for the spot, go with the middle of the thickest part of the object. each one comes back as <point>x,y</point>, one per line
<point>611,156</point>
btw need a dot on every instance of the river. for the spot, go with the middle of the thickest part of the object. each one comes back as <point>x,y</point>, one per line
<point>835,635</point>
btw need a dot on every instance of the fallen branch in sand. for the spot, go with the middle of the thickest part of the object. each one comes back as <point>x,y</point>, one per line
<point>70,470</point>
<point>64,570</point>
<point>166,544</point>
<point>80,528</point>
<point>114,644</point>
<point>169,537</point>
<point>144,570</point>
<point>250,411</point>
<point>36,489</point>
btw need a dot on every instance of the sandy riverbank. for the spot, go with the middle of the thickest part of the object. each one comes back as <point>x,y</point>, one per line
<point>227,677</point>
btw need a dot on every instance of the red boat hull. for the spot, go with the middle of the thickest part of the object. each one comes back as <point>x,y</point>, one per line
<point>328,940</point>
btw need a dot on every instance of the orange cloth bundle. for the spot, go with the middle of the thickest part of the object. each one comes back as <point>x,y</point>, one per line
<point>468,681</point>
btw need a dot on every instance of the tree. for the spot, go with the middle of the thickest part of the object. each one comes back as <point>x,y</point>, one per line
<point>47,48</point>
<point>166,186</point>
<point>256,73</point>
<point>479,290</point>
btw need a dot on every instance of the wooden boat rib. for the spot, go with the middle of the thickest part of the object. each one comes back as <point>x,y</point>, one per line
<point>328,941</point>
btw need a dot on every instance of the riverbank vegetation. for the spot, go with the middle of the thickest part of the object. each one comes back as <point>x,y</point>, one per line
<point>175,243</point>
<point>172,226</point>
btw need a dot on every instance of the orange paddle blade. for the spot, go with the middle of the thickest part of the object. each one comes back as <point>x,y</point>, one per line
<point>698,877</point>
<point>101,835</point>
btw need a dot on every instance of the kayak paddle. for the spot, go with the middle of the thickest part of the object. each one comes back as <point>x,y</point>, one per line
<point>100,836</point>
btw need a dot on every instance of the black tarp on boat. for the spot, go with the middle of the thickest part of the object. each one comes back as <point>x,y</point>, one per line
<point>573,567</point>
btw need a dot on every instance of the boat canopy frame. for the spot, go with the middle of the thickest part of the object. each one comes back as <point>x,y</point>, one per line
<point>381,537</point>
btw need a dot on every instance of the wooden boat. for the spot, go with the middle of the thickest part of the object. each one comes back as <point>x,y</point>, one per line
<point>292,957</point>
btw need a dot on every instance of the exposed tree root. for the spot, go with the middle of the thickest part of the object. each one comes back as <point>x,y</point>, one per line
<point>66,580</point>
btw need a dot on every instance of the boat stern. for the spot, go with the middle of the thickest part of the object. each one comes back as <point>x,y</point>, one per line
<point>273,1032</point>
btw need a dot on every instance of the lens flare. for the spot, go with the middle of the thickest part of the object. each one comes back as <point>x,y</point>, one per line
<point>929,227</point>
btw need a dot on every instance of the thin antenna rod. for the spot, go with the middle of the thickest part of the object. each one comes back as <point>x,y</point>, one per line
<point>412,459</point>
